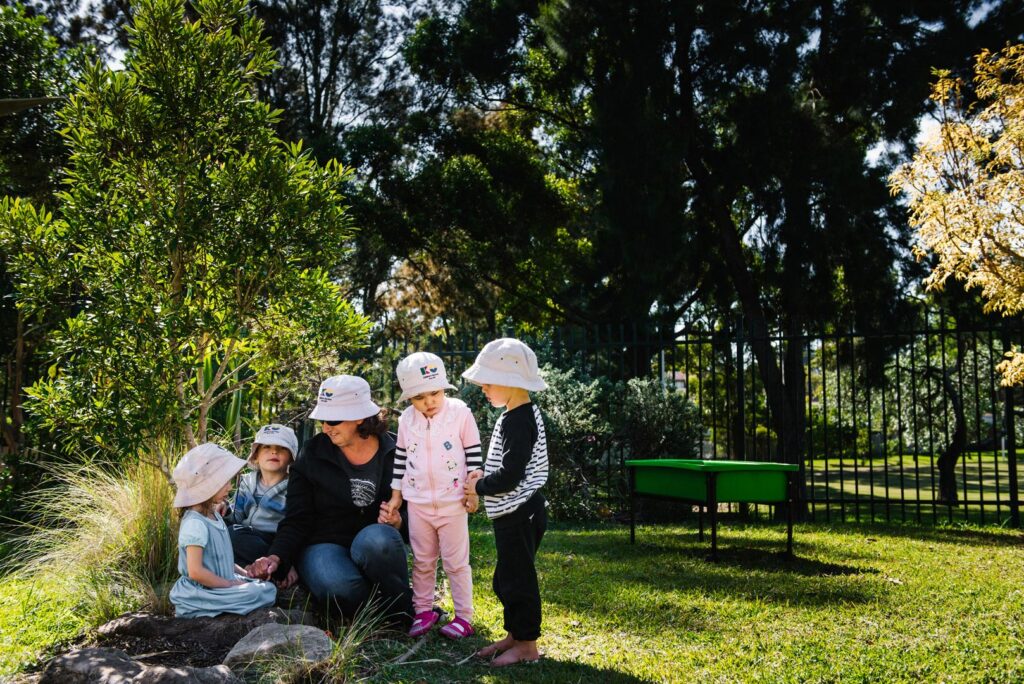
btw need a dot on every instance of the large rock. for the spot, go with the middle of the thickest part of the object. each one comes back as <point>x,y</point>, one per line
<point>111,666</point>
<point>296,641</point>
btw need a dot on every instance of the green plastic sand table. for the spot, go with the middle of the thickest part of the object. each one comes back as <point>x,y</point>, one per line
<point>709,483</point>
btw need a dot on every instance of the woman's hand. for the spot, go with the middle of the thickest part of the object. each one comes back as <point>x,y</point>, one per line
<point>291,578</point>
<point>387,516</point>
<point>471,502</point>
<point>263,568</point>
<point>471,479</point>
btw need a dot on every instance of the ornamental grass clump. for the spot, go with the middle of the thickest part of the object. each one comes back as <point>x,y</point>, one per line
<point>107,533</point>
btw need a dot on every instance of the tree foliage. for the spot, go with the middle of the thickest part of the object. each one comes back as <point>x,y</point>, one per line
<point>188,250</point>
<point>965,187</point>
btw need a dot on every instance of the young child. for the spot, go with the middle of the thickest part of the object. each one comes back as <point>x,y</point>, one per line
<point>515,470</point>
<point>259,501</point>
<point>438,443</point>
<point>210,582</point>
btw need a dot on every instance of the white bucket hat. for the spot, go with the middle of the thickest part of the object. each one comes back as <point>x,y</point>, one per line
<point>274,435</point>
<point>344,397</point>
<point>421,372</point>
<point>507,362</point>
<point>201,472</point>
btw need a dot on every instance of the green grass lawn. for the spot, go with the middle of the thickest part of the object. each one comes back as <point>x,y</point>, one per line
<point>861,603</point>
<point>980,475</point>
<point>35,617</point>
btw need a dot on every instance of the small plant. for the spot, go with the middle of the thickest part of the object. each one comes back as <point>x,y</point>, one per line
<point>342,665</point>
<point>578,437</point>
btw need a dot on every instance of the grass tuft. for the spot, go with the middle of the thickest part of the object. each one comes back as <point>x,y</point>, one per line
<point>110,531</point>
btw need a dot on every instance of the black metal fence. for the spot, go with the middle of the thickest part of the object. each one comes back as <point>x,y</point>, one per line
<point>909,425</point>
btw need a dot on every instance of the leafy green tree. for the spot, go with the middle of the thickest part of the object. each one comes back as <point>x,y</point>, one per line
<point>35,68</point>
<point>31,66</point>
<point>965,187</point>
<point>188,247</point>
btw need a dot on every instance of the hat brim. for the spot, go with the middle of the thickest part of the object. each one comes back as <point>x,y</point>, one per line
<point>424,387</point>
<point>190,496</point>
<point>359,411</point>
<point>480,375</point>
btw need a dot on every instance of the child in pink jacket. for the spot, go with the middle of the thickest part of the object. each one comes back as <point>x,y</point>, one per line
<point>438,445</point>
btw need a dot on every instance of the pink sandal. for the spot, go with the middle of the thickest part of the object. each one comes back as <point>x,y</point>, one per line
<point>422,623</point>
<point>457,628</point>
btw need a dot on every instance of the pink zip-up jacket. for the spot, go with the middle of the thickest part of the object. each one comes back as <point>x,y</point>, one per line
<point>433,456</point>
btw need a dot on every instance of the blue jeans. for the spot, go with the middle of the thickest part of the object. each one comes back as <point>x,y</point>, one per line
<point>345,577</point>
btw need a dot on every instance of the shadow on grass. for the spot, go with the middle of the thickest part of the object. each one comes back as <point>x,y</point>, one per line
<point>438,661</point>
<point>587,574</point>
<point>546,670</point>
<point>747,553</point>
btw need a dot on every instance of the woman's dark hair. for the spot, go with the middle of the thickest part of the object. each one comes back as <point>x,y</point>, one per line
<point>374,425</point>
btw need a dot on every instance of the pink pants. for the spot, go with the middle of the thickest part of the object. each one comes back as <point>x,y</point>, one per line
<point>446,536</point>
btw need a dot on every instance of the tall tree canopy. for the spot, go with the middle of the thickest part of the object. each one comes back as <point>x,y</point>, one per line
<point>186,251</point>
<point>722,148</point>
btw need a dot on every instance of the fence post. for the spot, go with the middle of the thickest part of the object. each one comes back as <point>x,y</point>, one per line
<point>1010,434</point>
<point>740,438</point>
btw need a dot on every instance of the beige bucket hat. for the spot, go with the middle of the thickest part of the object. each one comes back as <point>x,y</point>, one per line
<point>508,362</point>
<point>421,372</point>
<point>344,397</point>
<point>201,472</point>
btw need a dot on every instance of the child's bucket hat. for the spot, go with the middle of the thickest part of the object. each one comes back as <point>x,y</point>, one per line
<point>421,372</point>
<point>274,435</point>
<point>201,472</point>
<point>508,362</point>
<point>344,397</point>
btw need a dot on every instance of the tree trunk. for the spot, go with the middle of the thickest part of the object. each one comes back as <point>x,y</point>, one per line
<point>951,454</point>
<point>787,416</point>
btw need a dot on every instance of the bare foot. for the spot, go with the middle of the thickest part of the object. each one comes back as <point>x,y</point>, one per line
<point>491,649</point>
<point>520,652</point>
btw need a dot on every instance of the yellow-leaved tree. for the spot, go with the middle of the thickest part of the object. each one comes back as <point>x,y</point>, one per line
<point>965,187</point>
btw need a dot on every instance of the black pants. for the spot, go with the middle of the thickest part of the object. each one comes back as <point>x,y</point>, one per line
<point>249,544</point>
<point>515,576</point>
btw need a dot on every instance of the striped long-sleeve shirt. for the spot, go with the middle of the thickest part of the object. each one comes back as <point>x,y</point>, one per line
<point>517,461</point>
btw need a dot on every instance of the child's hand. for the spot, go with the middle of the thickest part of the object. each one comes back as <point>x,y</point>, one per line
<point>471,479</point>
<point>396,501</point>
<point>472,503</point>
<point>388,516</point>
<point>222,508</point>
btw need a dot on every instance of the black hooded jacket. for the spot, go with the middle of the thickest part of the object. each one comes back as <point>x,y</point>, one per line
<point>320,508</point>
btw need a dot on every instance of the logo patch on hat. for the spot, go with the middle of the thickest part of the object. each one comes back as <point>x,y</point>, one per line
<point>271,430</point>
<point>325,395</point>
<point>428,372</point>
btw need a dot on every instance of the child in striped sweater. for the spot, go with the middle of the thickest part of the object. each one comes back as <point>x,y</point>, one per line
<point>515,470</point>
<point>438,445</point>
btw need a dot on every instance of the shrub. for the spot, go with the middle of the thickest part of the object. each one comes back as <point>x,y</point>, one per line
<point>659,423</point>
<point>579,438</point>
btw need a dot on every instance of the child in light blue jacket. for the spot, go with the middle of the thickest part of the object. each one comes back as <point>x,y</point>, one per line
<point>259,501</point>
